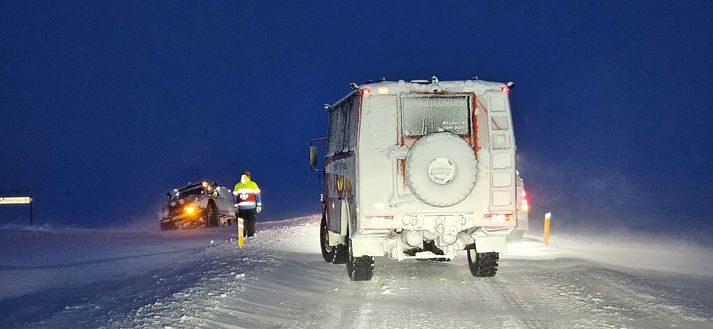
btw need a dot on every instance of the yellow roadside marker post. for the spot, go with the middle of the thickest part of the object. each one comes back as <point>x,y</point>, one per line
<point>547,228</point>
<point>241,227</point>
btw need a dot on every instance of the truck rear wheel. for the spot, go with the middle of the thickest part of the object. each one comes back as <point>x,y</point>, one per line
<point>359,268</point>
<point>341,255</point>
<point>331,254</point>
<point>483,264</point>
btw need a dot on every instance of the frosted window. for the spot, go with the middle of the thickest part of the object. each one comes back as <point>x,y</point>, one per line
<point>423,115</point>
<point>336,130</point>
<point>342,126</point>
<point>351,110</point>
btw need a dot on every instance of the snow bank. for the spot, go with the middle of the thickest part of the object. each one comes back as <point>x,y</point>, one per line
<point>619,250</point>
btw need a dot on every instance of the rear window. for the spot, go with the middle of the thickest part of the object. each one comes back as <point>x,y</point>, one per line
<point>425,114</point>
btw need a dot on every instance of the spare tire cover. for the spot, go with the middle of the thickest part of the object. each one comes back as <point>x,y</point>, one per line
<point>441,169</point>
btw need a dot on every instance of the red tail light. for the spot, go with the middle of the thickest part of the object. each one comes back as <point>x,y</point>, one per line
<point>499,218</point>
<point>524,205</point>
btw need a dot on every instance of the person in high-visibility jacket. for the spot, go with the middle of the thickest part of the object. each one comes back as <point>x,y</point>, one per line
<point>249,201</point>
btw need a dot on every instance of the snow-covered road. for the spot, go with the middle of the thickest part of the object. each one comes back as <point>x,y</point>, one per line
<point>198,278</point>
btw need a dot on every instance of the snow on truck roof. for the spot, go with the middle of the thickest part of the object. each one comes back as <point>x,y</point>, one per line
<point>431,85</point>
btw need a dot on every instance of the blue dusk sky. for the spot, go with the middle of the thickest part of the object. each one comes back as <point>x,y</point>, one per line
<point>106,105</point>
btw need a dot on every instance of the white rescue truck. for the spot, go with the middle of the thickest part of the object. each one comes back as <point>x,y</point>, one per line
<point>421,170</point>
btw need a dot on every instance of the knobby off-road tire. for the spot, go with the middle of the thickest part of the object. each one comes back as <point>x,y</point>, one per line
<point>483,264</point>
<point>341,255</point>
<point>211,216</point>
<point>331,254</point>
<point>359,268</point>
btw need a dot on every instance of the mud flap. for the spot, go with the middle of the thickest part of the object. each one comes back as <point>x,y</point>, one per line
<point>368,245</point>
<point>496,243</point>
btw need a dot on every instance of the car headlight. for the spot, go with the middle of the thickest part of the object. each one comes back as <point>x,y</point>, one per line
<point>190,209</point>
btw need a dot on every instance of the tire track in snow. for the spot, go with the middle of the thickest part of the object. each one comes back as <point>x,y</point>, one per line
<point>275,290</point>
<point>509,308</point>
<point>640,301</point>
<point>607,298</point>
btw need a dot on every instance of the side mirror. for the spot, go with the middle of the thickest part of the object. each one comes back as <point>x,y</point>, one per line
<point>313,154</point>
<point>313,157</point>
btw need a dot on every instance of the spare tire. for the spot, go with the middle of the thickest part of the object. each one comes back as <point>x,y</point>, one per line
<point>441,169</point>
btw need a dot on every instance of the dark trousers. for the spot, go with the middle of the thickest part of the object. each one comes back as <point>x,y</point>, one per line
<point>249,216</point>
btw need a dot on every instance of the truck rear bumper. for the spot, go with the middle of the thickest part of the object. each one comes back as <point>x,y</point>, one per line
<point>437,223</point>
<point>405,244</point>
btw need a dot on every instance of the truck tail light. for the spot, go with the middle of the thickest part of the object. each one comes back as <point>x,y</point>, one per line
<point>499,218</point>
<point>377,221</point>
<point>524,204</point>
